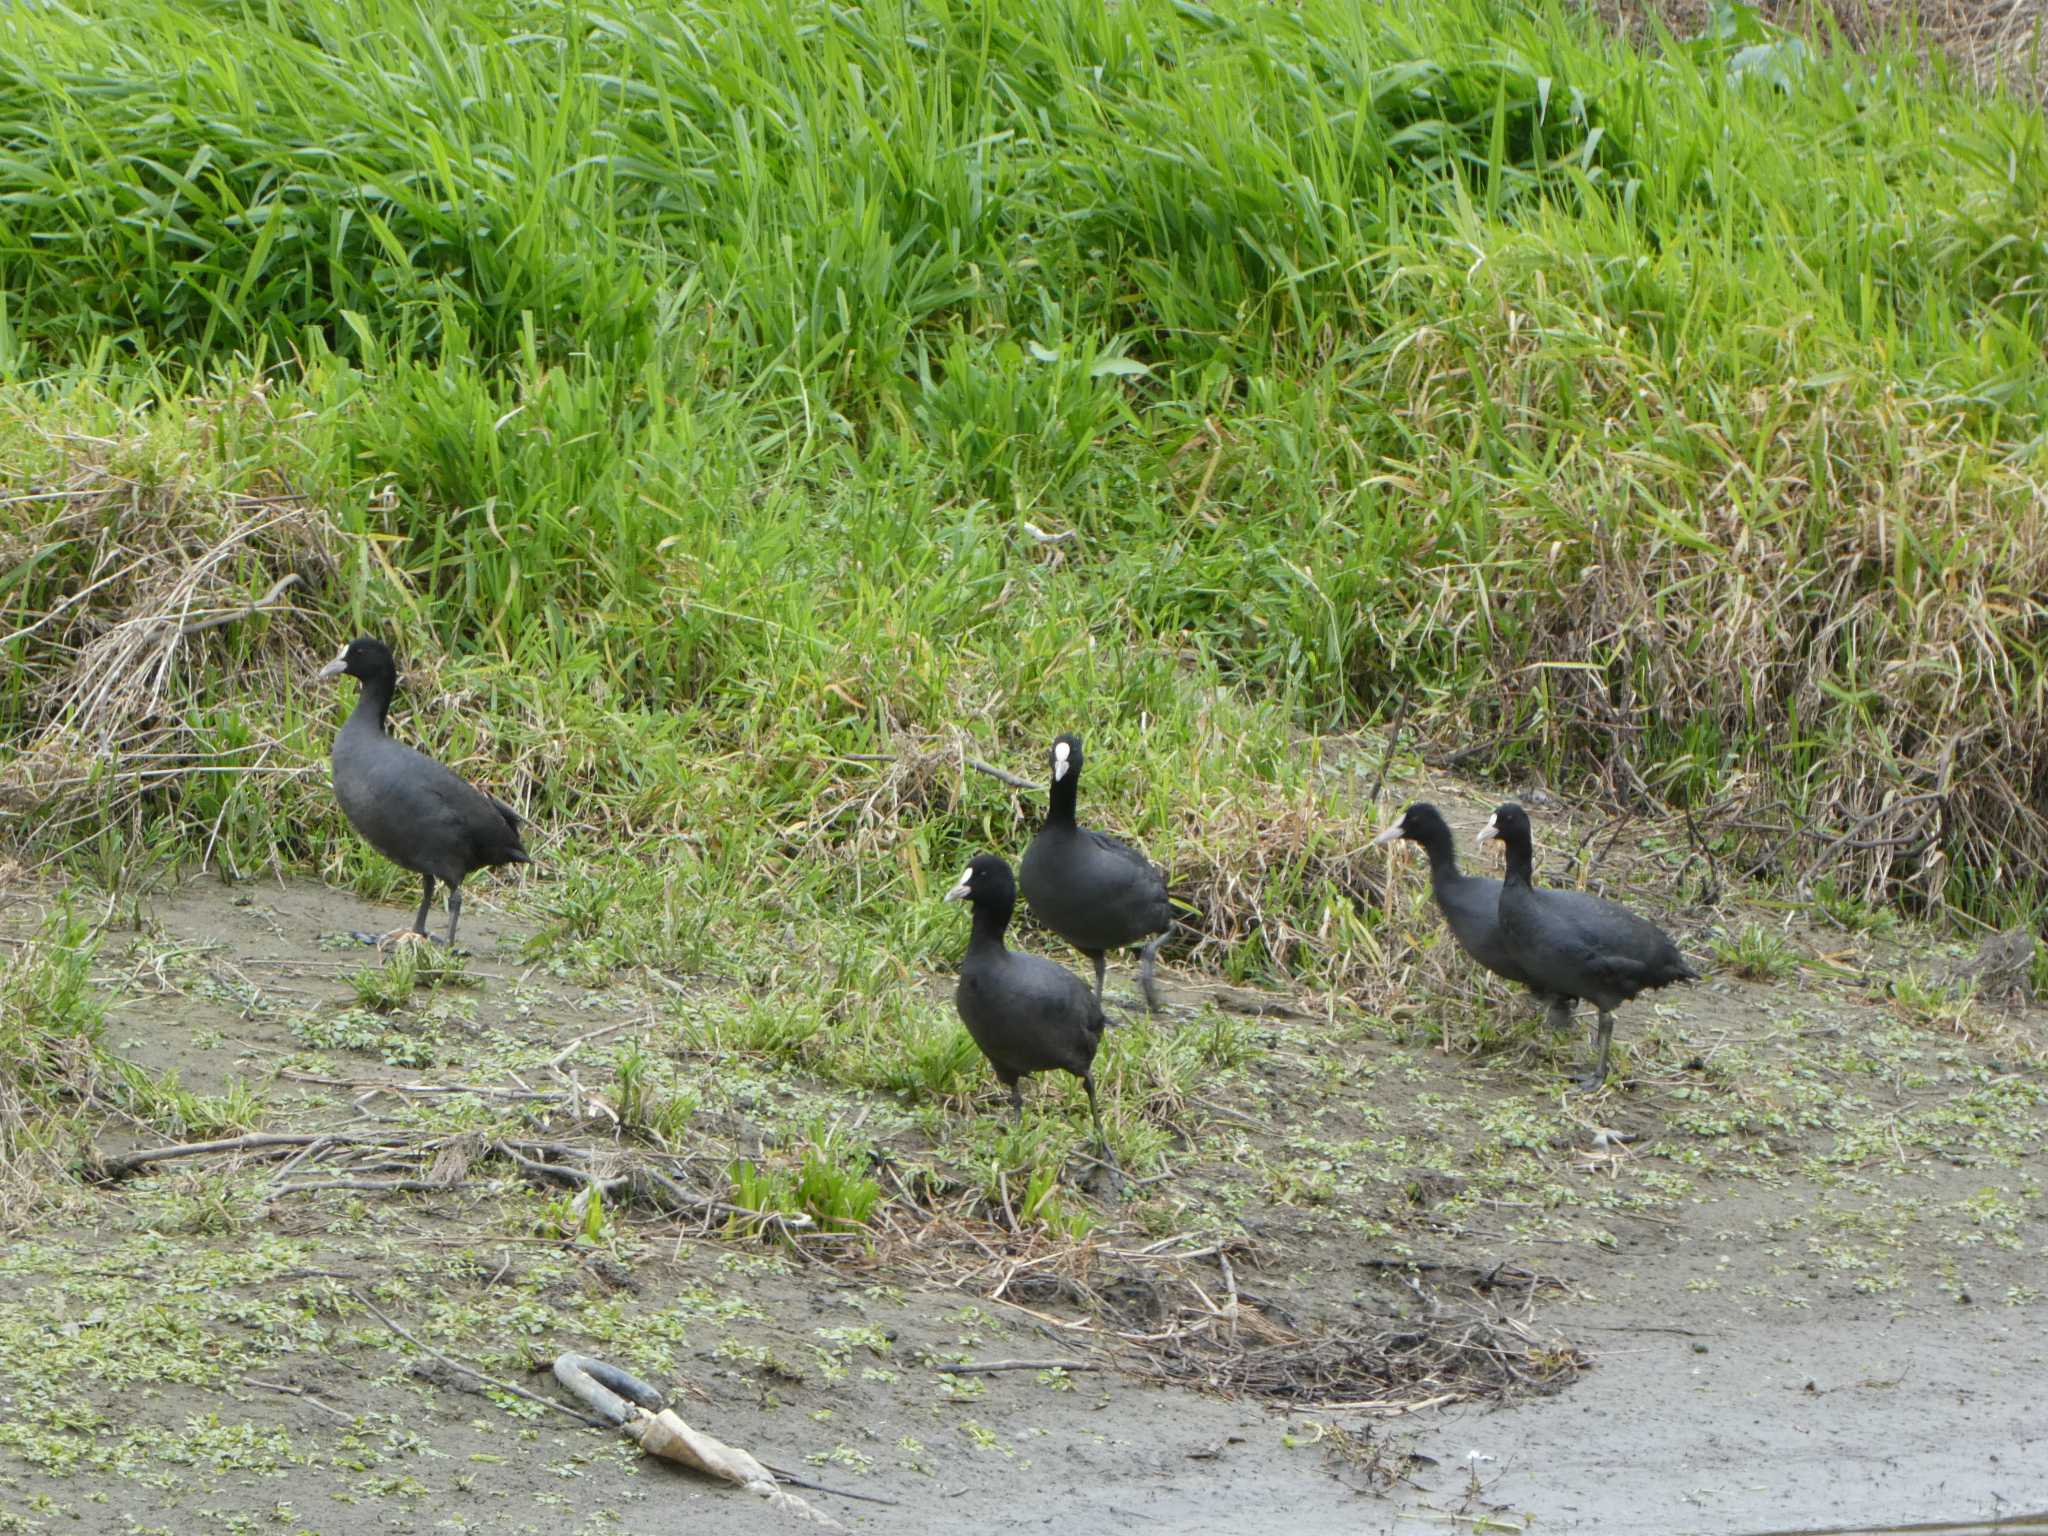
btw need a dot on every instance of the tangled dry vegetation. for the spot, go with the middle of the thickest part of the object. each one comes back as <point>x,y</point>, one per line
<point>131,603</point>
<point>1996,42</point>
<point>1833,663</point>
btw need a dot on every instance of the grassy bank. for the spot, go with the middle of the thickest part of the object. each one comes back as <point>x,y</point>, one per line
<point>684,388</point>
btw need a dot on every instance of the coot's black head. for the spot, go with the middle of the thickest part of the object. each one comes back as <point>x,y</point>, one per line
<point>1066,759</point>
<point>986,883</point>
<point>366,659</point>
<point>1509,825</point>
<point>1420,823</point>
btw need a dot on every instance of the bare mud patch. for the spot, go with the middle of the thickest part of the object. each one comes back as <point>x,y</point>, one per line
<point>1379,1271</point>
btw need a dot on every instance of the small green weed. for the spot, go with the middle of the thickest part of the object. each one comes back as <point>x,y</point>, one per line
<point>1851,912</point>
<point>642,1105</point>
<point>51,1017</point>
<point>195,1205</point>
<point>828,1185</point>
<point>388,987</point>
<point>1757,954</point>
<point>1934,1004</point>
<point>160,1100</point>
<point>757,1357</point>
<point>1045,1204</point>
<point>415,1045</point>
<point>833,1187</point>
<point>779,1027</point>
<point>578,1217</point>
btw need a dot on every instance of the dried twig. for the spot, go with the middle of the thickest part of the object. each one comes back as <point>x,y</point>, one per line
<point>469,1370</point>
<point>264,604</point>
<point>1003,775</point>
<point>300,1393</point>
<point>110,1169</point>
<point>1393,742</point>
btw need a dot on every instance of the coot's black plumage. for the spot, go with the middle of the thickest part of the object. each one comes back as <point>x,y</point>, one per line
<point>1575,945</point>
<point>418,814</point>
<point>1026,1013</point>
<point>1470,903</point>
<point>1092,890</point>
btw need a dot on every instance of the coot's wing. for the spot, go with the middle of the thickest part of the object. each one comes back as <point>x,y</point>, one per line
<point>1150,908</point>
<point>1617,946</point>
<point>1124,853</point>
<point>1071,1019</point>
<point>1028,1014</point>
<point>1050,987</point>
<point>447,801</point>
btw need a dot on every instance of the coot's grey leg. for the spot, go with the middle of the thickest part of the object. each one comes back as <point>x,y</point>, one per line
<point>454,911</point>
<point>1101,967</point>
<point>1145,982</point>
<point>1101,1136</point>
<point>1017,1098</point>
<point>1559,1016</point>
<point>1598,1075</point>
<point>419,923</point>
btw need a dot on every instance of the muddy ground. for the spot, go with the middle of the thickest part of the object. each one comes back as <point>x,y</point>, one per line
<point>1786,1273</point>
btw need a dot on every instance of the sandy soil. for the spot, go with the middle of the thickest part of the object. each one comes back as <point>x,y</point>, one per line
<point>1799,1256</point>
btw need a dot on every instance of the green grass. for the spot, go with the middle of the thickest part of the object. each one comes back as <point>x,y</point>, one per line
<point>1757,954</point>
<point>677,384</point>
<point>827,1183</point>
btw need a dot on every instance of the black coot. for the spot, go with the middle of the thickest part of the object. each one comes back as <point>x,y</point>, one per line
<point>1470,903</point>
<point>418,814</point>
<point>1575,945</point>
<point>1093,891</point>
<point>1026,1013</point>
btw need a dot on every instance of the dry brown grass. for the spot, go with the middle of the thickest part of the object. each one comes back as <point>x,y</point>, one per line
<point>1851,628</point>
<point>1997,43</point>
<point>139,591</point>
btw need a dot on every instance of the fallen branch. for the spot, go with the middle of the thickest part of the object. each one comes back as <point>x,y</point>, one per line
<point>561,1057</point>
<point>1002,774</point>
<point>109,1170</point>
<point>365,1186</point>
<point>646,1186</point>
<point>990,1367</point>
<point>784,1476</point>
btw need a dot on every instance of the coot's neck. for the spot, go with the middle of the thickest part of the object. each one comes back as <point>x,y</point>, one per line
<point>1521,858</point>
<point>1443,857</point>
<point>374,702</point>
<point>990,919</point>
<point>1059,799</point>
